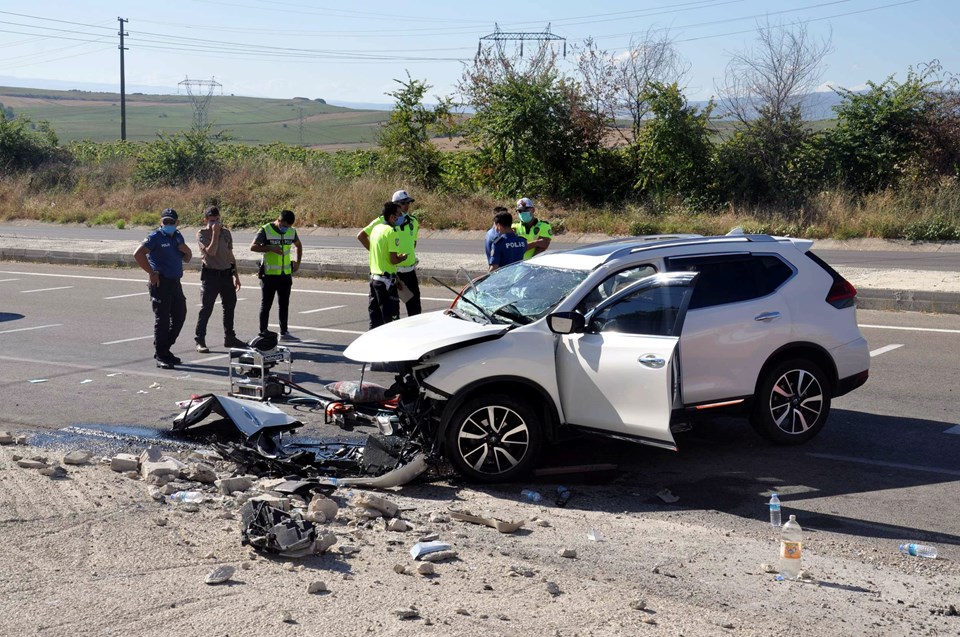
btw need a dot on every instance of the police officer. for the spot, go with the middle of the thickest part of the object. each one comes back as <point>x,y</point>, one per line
<point>492,233</point>
<point>537,233</point>
<point>384,304</point>
<point>162,255</point>
<point>507,248</point>
<point>274,240</point>
<point>408,229</point>
<point>218,277</point>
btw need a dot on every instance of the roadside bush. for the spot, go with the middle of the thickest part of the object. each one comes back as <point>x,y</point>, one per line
<point>179,158</point>
<point>24,145</point>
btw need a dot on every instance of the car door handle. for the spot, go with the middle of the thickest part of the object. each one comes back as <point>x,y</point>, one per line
<point>767,316</point>
<point>651,360</point>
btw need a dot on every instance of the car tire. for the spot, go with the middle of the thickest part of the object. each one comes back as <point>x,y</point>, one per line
<point>495,438</point>
<point>792,403</point>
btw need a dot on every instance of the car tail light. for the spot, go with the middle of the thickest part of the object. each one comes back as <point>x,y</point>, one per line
<point>842,293</point>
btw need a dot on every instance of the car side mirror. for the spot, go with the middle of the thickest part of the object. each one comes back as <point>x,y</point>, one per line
<point>565,322</point>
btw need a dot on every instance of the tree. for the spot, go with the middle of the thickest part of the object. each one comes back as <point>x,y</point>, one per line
<point>26,145</point>
<point>405,137</point>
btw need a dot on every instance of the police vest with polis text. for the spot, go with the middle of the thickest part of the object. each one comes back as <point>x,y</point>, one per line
<point>278,263</point>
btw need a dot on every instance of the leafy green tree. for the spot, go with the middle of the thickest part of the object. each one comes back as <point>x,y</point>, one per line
<point>405,137</point>
<point>24,144</point>
<point>673,148</point>
<point>179,158</point>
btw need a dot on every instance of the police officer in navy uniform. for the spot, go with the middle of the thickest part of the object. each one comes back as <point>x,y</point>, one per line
<point>162,255</point>
<point>507,248</point>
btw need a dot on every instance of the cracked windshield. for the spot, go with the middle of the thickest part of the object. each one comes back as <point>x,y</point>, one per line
<point>519,294</point>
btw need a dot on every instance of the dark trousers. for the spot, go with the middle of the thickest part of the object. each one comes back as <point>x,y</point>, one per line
<point>409,279</point>
<point>214,283</point>
<point>169,311</point>
<point>275,285</point>
<point>384,304</point>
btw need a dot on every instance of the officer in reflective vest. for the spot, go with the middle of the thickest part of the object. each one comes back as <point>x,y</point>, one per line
<point>408,230</point>
<point>276,271</point>
<point>537,233</point>
<point>384,303</point>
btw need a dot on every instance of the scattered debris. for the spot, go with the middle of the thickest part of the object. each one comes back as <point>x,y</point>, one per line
<point>426,568</point>
<point>270,529</point>
<point>228,486</point>
<point>221,574</point>
<point>85,381</point>
<point>56,472</point>
<point>31,464</point>
<point>77,457</point>
<point>420,549</point>
<point>594,535</point>
<point>317,587</point>
<point>38,380</point>
<point>287,617</point>
<point>407,613</point>
<point>371,501</point>
<point>439,518</point>
<point>6,438</point>
<point>123,462</point>
<point>439,556</point>
<point>667,496</point>
<point>768,568</point>
<point>638,604</point>
<point>553,588</point>
<point>500,525</point>
<point>398,525</point>
<point>571,553</point>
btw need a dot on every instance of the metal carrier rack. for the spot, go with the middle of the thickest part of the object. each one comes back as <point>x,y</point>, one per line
<point>252,376</point>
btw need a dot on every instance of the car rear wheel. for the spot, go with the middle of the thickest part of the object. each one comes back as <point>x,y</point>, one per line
<point>793,402</point>
<point>493,438</point>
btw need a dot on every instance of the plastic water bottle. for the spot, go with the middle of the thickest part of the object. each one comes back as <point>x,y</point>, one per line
<point>195,497</point>
<point>920,550</point>
<point>791,548</point>
<point>531,495</point>
<point>775,511</point>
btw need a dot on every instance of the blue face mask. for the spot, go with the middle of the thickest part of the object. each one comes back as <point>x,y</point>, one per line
<point>400,220</point>
<point>169,230</point>
<point>282,229</point>
<point>526,217</point>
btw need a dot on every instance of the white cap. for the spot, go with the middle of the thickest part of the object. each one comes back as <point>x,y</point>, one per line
<point>401,196</point>
<point>524,203</point>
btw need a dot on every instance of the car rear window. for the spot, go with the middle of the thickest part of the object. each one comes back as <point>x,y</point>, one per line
<point>730,278</point>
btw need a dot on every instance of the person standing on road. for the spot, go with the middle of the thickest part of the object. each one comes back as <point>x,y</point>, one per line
<point>507,248</point>
<point>218,277</point>
<point>408,229</point>
<point>537,233</point>
<point>492,233</point>
<point>276,270</point>
<point>162,255</point>
<point>384,304</point>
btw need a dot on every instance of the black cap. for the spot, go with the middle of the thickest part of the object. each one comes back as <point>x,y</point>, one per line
<point>169,213</point>
<point>211,211</point>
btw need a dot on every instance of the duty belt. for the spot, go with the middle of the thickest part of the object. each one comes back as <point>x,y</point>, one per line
<point>383,278</point>
<point>406,268</point>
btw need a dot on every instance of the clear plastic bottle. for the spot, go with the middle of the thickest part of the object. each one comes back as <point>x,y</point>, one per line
<point>531,495</point>
<point>920,550</point>
<point>775,510</point>
<point>791,548</point>
<point>194,497</point>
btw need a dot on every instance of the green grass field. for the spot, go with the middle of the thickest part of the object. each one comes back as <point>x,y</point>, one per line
<point>77,115</point>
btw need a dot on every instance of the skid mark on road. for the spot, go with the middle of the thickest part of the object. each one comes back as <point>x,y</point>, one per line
<point>885,349</point>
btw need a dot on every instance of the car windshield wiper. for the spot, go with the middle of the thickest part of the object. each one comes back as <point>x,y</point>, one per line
<point>470,285</point>
<point>513,315</point>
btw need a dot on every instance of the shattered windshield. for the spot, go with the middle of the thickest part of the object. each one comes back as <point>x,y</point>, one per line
<point>520,293</point>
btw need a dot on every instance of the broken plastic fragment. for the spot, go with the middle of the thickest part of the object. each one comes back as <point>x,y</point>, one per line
<point>594,536</point>
<point>667,496</point>
<point>155,386</point>
<point>85,381</point>
<point>423,548</point>
<point>38,380</point>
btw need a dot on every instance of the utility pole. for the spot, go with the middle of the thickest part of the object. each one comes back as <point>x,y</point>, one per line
<point>123,86</point>
<point>499,37</point>
<point>300,109</point>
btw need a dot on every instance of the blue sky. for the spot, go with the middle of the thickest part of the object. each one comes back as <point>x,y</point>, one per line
<point>352,52</point>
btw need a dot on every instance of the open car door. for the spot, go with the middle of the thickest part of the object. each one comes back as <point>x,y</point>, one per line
<point>616,368</point>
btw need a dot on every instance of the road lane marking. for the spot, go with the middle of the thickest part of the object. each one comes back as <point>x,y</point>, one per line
<point>123,296</point>
<point>912,329</point>
<point>219,302</point>
<point>65,287</point>
<point>885,349</point>
<point>209,358</point>
<point>127,340</point>
<point>132,372</point>
<point>7,280</point>
<point>323,309</point>
<point>881,463</point>
<point>38,327</point>
<point>953,430</point>
<point>319,329</point>
<point>425,298</point>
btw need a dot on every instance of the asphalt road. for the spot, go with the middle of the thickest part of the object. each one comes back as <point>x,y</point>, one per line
<point>885,468</point>
<point>900,259</point>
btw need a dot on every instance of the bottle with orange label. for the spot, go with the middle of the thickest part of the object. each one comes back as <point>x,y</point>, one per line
<point>791,548</point>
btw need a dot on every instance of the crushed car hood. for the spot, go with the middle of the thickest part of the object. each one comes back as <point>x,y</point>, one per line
<point>411,338</point>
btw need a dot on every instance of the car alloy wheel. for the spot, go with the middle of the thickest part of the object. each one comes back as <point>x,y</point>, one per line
<point>793,403</point>
<point>493,438</point>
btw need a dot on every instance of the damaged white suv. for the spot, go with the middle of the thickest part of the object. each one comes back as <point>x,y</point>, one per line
<point>623,338</point>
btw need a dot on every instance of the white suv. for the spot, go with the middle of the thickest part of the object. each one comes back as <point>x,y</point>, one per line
<point>623,338</point>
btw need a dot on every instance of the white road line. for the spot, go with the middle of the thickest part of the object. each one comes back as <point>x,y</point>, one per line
<point>6,280</point>
<point>131,372</point>
<point>209,358</point>
<point>425,298</point>
<point>885,349</point>
<point>912,329</point>
<point>123,296</point>
<point>319,329</point>
<point>953,430</point>
<point>84,276</point>
<point>881,463</point>
<point>127,340</point>
<point>323,309</point>
<point>219,302</point>
<point>65,287</point>
<point>38,327</point>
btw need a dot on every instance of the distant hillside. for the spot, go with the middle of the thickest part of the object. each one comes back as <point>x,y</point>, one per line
<point>93,115</point>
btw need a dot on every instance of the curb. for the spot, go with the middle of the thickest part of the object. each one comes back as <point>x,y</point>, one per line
<point>867,298</point>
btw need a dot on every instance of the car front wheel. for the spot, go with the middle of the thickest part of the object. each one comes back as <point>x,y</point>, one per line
<point>493,438</point>
<point>793,402</point>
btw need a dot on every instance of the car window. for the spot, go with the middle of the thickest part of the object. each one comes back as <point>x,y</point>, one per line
<point>613,284</point>
<point>730,278</point>
<point>520,293</point>
<point>652,312</point>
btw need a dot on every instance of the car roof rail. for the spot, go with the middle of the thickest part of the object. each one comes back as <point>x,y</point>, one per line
<point>682,240</point>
